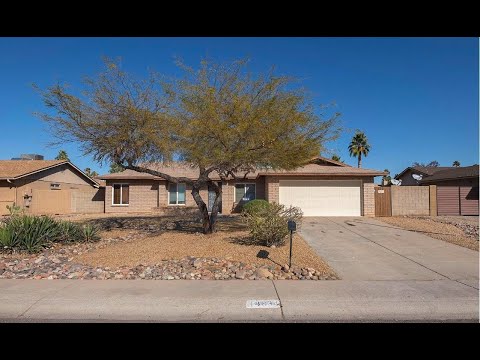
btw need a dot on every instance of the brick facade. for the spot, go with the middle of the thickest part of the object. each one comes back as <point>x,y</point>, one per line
<point>152,195</point>
<point>229,203</point>
<point>368,198</point>
<point>91,201</point>
<point>143,196</point>
<point>271,188</point>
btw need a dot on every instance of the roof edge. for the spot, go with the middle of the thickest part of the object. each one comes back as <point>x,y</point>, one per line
<point>51,167</point>
<point>329,160</point>
<point>427,180</point>
<point>375,173</point>
<point>409,168</point>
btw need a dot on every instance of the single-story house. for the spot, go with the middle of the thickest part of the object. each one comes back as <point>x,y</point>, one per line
<point>457,190</point>
<point>322,187</point>
<point>48,187</point>
<point>407,175</point>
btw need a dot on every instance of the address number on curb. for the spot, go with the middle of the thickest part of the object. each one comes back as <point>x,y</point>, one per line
<point>263,304</point>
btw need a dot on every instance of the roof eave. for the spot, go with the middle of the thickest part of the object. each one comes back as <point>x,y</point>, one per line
<point>34,172</point>
<point>322,174</point>
<point>409,168</point>
<point>51,167</point>
<point>429,180</point>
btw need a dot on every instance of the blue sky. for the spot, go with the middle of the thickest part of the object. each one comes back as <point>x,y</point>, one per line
<point>415,98</point>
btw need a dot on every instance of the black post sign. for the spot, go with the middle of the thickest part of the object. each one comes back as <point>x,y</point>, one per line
<point>292,226</point>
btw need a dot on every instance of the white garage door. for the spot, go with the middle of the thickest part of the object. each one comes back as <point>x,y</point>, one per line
<point>322,197</point>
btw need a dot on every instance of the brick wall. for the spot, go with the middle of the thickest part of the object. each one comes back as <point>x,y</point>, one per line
<point>143,197</point>
<point>410,200</point>
<point>228,193</point>
<point>148,195</point>
<point>92,201</point>
<point>271,189</point>
<point>368,198</point>
<point>152,195</point>
<point>189,200</point>
<point>229,203</point>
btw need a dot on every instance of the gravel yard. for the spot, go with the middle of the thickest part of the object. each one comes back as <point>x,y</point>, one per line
<point>459,230</point>
<point>162,247</point>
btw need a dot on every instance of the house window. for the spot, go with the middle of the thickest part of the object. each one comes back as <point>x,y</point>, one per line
<point>176,194</point>
<point>121,194</point>
<point>55,186</point>
<point>245,192</point>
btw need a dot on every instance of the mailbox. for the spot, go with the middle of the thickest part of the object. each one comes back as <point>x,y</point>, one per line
<point>292,225</point>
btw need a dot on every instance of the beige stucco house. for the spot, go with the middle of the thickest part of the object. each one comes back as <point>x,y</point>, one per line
<point>322,187</point>
<point>48,187</point>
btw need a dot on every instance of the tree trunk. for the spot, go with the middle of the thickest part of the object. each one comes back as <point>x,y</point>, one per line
<point>360,160</point>
<point>209,222</point>
<point>216,203</point>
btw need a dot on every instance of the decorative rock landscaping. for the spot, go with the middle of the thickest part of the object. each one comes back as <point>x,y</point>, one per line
<point>58,262</point>
<point>61,266</point>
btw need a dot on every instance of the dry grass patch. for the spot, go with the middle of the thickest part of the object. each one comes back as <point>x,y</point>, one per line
<point>230,245</point>
<point>434,229</point>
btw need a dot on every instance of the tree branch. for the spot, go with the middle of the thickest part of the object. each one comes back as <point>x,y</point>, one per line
<point>167,177</point>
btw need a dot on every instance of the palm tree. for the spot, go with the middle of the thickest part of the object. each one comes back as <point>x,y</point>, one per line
<point>456,163</point>
<point>336,158</point>
<point>358,146</point>
<point>386,179</point>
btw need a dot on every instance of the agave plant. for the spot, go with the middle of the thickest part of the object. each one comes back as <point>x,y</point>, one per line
<point>7,238</point>
<point>69,232</point>
<point>33,232</point>
<point>90,233</point>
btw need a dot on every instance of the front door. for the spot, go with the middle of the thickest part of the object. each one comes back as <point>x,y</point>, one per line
<point>211,198</point>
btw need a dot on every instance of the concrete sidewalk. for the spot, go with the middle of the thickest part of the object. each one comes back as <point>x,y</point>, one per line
<point>223,301</point>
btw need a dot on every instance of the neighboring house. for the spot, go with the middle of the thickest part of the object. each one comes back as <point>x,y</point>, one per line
<point>321,188</point>
<point>457,190</point>
<point>48,187</point>
<point>407,175</point>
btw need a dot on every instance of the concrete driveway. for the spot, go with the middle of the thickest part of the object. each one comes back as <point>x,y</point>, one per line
<point>360,248</point>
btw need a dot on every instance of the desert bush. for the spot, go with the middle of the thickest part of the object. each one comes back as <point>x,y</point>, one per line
<point>90,233</point>
<point>32,233</point>
<point>14,210</point>
<point>7,240</point>
<point>69,232</point>
<point>268,226</point>
<point>254,206</point>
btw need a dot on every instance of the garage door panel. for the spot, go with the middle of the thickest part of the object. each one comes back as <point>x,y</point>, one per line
<point>322,197</point>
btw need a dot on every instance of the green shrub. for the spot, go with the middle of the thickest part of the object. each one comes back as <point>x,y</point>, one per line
<point>32,233</point>
<point>254,206</point>
<point>14,210</point>
<point>90,233</point>
<point>69,232</point>
<point>7,239</point>
<point>268,226</point>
